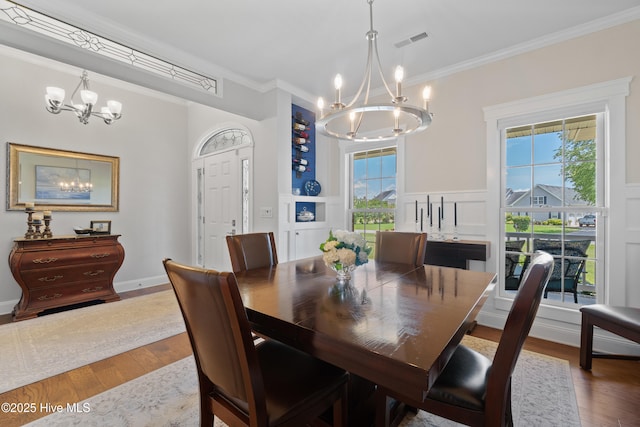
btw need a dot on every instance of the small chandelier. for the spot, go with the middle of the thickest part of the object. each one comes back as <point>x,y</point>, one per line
<point>344,121</point>
<point>55,103</point>
<point>75,186</point>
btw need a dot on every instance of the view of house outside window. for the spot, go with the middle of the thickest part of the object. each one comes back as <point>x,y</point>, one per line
<point>550,205</point>
<point>373,191</point>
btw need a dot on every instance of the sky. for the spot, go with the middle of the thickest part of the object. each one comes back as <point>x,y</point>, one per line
<point>374,175</point>
<point>519,154</point>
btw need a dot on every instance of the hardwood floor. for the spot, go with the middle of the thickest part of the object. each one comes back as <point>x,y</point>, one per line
<point>609,395</point>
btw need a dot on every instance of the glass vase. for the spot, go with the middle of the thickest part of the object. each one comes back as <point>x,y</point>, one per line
<point>343,274</point>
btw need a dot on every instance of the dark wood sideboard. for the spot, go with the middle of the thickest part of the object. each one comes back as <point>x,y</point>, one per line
<point>456,253</point>
<point>65,270</point>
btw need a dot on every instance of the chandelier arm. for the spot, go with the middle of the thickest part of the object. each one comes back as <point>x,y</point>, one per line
<point>366,99</point>
<point>365,79</point>
<point>81,83</point>
<point>375,44</point>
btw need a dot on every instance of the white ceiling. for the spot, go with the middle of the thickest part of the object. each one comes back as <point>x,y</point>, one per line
<point>304,43</point>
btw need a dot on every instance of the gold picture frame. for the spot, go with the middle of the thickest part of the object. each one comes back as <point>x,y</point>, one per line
<point>60,180</point>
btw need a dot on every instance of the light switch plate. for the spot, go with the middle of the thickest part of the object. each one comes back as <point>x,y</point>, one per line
<point>266,213</point>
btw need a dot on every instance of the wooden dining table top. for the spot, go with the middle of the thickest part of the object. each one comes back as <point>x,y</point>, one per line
<point>395,325</point>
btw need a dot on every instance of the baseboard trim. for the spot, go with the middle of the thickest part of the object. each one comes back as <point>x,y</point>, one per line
<point>567,334</point>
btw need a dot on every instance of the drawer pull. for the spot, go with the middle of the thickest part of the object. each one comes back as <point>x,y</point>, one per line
<point>47,297</point>
<point>50,278</point>
<point>98,256</point>
<point>96,289</point>
<point>93,273</point>
<point>44,260</point>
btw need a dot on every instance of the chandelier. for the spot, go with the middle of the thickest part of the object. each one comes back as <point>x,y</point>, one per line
<point>75,186</point>
<point>346,121</point>
<point>55,103</point>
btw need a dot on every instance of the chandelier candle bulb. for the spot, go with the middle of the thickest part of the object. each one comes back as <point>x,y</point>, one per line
<point>321,106</point>
<point>426,96</point>
<point>337,82</point>
<point>399,76</point>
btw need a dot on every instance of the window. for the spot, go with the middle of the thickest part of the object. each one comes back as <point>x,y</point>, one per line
<point>607,101</point>
<point>539,200</point>
<point>551,202</point>
<point>373,191</point>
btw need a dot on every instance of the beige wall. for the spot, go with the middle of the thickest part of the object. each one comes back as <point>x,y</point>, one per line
<point>451,154</point>
<point>150,140</point>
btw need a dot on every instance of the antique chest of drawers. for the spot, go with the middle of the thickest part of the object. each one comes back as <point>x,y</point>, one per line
<point>64,270</point>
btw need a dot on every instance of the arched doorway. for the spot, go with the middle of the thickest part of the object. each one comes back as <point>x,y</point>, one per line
<point>222,170</point>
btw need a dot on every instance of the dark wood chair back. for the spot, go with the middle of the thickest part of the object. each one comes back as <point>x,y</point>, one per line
<point>516,329</point>
<point>400,247</point>
<point>471,389</point>
<point>241,382</point>
<point>253,250</point>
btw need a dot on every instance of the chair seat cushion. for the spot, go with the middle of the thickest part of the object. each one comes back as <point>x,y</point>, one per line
<point>463,381</point>
<point>627,317</point>
<point>293,379</point>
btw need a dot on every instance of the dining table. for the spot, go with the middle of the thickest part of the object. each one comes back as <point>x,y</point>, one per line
<point>394,325</point>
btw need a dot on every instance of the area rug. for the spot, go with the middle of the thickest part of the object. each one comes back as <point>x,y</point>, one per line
<point>543,395</point>
<point>63,341</point>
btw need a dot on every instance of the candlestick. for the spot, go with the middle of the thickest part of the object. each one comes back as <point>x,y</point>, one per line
<point>431,215</point>
<point>455,214</point>
<point>29,206</point>
<point>47,230</point>
<point>30,232</point>
<point>421,216</point>
<point>416,211</point>
<point>428,203</point>
<point>439,218</point>
<point>442,207</point>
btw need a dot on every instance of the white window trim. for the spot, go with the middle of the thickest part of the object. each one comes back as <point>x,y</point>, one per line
<point>347,148</point>
<point>609,97</point>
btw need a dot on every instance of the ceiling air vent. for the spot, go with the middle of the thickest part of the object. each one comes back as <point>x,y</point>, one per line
<point>412,39</point>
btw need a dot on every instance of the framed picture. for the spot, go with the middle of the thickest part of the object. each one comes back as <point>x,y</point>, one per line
<point>61,180</point>
<point>101,227</point>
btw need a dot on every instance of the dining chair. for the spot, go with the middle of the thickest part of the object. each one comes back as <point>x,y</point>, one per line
<point>568,267</point>
<point>400,247</point>
<point>242,383</point>
<point>472,389</point>
<point>253,250</point>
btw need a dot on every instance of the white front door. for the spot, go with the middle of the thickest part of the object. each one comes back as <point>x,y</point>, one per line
<point>222,207</point>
